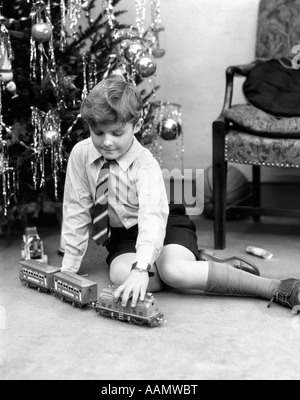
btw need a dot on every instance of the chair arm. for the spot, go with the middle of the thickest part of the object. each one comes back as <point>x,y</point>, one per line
<point>242,70</point>
<point>231,72</point>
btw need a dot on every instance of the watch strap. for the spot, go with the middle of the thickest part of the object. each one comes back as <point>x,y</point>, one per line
<point>134,266</point>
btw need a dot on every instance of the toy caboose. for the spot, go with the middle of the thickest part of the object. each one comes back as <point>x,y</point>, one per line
<point>37,275</point>
<point>145,312</point>
<point>74,289</point>
<point>32,246</point>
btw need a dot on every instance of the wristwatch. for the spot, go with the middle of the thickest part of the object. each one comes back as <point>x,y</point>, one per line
<point>134,266</point>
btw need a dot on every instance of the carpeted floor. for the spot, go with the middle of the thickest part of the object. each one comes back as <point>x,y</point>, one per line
<point>205,337</point>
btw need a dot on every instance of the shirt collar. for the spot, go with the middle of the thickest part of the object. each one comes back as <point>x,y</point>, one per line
<point>131,154</point>
<point>94,154</point>
<point>124,161</point>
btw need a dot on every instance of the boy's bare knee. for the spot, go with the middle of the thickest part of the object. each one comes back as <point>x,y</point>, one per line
<point>169,273</point>
<point>171,264</point>
<point>120,269</point>
<point>116,278</point>
<point>118,274</point>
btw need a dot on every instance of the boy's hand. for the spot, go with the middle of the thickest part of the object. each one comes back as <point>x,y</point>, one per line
<point>135,286</point>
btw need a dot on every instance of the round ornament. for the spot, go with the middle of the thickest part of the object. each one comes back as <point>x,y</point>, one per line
<point>133,51</point>
<point>41,32</point>
<point>50,137</point>
<point>145,66</point>
<point>170,129</point>
<point>11,87</point>
<point>158,53</point>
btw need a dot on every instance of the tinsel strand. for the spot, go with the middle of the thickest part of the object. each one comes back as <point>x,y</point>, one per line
<point>140,6</point>
<point>63,38</point>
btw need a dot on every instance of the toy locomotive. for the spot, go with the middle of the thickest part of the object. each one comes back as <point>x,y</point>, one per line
<point>81,292</point>
<point>32,246</point>
<point>145,312</point>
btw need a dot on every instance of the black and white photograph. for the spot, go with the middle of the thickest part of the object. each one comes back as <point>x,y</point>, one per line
<point>149,193</point>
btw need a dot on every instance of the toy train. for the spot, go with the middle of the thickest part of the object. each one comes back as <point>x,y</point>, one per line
<point>145,312</point>
<point>81,292</point>
<point>37,275</point>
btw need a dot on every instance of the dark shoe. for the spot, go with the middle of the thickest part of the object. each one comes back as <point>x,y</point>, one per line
<point>236,262</point>
<point>288,293</point>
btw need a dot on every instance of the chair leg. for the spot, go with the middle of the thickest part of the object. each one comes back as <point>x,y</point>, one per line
<point>219,185</point>
<point>256,170</point>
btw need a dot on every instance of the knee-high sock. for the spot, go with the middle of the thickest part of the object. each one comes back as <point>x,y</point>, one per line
<point>225,279</point>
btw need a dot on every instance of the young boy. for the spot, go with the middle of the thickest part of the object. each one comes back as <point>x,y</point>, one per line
<point>114,187</point>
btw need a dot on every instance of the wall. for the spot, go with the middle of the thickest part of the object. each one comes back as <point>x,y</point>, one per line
<point>202,38</point>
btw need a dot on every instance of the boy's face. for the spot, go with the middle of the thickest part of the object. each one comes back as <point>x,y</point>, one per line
<point>113,140</point>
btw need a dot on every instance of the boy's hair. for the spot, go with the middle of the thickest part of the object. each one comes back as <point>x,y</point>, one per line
<point>112,100</point>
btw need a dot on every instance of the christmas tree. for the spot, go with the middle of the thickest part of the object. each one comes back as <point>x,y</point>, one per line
<point>49,62</point>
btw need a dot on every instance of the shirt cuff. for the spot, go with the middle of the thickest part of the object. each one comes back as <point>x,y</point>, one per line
<point>146,254</point>
<point>71,263</point>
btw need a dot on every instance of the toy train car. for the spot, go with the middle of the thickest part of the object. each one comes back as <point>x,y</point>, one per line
<point>81,292</point>
<point>145,312</point>
<point>75,289</point>
<point>37,275</point>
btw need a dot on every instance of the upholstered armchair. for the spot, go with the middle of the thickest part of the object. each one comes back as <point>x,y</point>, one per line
<point>255,133</point>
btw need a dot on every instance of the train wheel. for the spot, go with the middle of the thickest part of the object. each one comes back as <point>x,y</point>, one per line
<point>62,299</point>
<point>114,315</point>
<point>137,321</point>
<point>131,321</point>
<point>105,313</point>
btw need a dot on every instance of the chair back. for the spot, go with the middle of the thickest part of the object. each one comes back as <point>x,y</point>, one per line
<point>278,29</point>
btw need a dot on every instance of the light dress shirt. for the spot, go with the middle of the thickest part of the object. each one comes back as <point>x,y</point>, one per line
<point>136,196</point>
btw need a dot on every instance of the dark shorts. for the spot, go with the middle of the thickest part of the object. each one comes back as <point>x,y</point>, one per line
<point>180,230</point>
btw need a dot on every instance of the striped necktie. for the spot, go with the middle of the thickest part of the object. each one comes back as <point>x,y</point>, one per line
<point>101,230</point>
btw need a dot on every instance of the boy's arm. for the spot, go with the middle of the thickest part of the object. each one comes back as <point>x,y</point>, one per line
<point>152,221</point>
<point>76,213</point>
<point>153,214</point>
